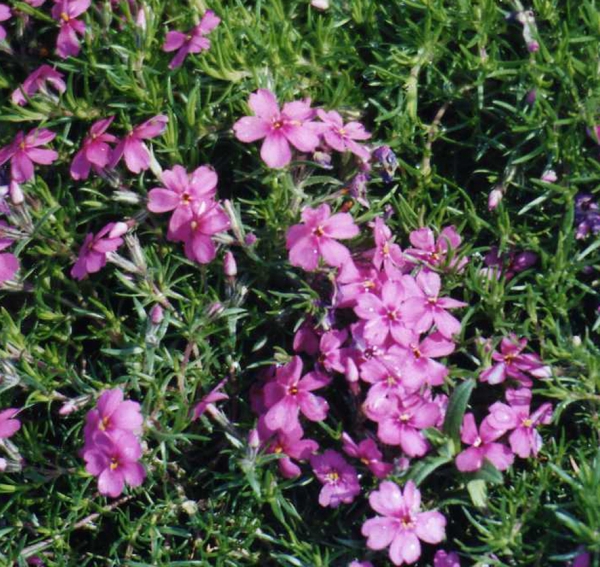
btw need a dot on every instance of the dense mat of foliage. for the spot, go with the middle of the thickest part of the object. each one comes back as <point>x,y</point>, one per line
<point>293,274</point>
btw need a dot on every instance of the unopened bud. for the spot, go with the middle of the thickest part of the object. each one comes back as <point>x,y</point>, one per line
<point>250,239</point>
<point>156,314</point>
<point>494,198</point>
<point>576,341</point>
<point>549,176</point>
<point>215,309</point>
<point>125,196</point>
<point>320,4</point>
<point>531,96</point>
<point>118,230</point>
<point>229,265</point>
<point>16,193</point>
<point>254,439</point>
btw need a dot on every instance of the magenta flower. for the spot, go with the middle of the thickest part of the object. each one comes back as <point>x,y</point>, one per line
<point>387,253</point>
<point>444,559</point>
<point>482,446</point>
<point>215,395</point>
<point>401,524</point>
<point>114,460</point>
<point>279,128</point>
<point>332,355</point>
<point>369,455</point>
<point>306,339</point>
<point>207,219</point>
<point>9,264</point>
<point>512,363</point>
<point>524,440</point>
<point>420,312</point>
<point>359,563</point>
<point>342,137</point>
<point>112,414</point>
<point>291,446</point>
<point>92,255</point>
<point>289,394</point>
<point>5,14</point>
<point>24,151</point>
<point>181,192</point>
<point>339,479</point>
<point>66,12</point>
<point>317,238</point>
<point>95,151</point>
<point>403,421</point>
<point>353,281</point>
<point>435,252</point>
<point>36,82</point>
<point>132,147</point>
<point>8,424</point>
<point>191,42</point>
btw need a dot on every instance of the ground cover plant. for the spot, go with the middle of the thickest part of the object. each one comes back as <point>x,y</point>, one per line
<point>299,283</point>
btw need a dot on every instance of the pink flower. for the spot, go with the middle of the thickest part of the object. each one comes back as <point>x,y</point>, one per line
<point>207,219</point>
<point>66,12</point>
<point>182,192</point>
<point>291,446</point>
<point>435,252</point>
<point>132,147</point>
<point>95,151</point>
<point>92,255</point>
<point>387,253</point>
<point>24,151</point>
<point>36,81</point>
<point>112,414</point>
<point>215,395</point>
<point>229,265</point>
<point>289,394</point>
<point>8,424</point>
<point>368,453</point>
<point>524,440</point>
<point>401,524</point>
<point>339,479</point>
<point>192,42</point>
<point>279,128</point>
<point>114,460</point>
<point>332,356</point>
<point>403,421</point>
<point>482,447</point>
<point>584,559</point>
<point>422,311</point>
<point>512,363</point>
<point>8,262</point>
<point>444,559</point>
<point>353,281</point>
<point>342,137</point>
<point>306,339</point>
<point>317,238</point>
<point>5,14</point>
<point>494,198</point>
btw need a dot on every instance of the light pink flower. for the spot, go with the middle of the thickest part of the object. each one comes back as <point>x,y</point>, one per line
<point>291,446</point>
<point>368,453</point>
<point>5,14</point>
<point>191,42</point>
<point>36,81</point>
<point>9,264</point>
<point>445,559</point>
<point>511,362</point>
<point>342,137</point>
<point>387,253</point>
<point>25,150</point>
<point>352,281</point>
<point>339,479</point>
<point>215,395</point>
<point>114,460</point>
<point>181,193</point>
<point>317,238</point>
<point>401,524</point>
<point>420,312</point>
<point>8,424</point>
<point>290,393</point>
<point>92,255</point>
<point>435,252</point>
<point>66,12</point>
<point>132,147</point>
<point>483,446</point>
<point>95,151</point>
<point>279,128</point>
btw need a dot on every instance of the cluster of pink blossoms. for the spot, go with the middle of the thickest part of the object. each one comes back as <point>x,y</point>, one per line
<point>294,124</point>
<point>112,448</point>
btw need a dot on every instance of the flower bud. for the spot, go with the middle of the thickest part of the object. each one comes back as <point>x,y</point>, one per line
<point>320,4</point>
<point>250,239</point>
<point>156,314</point>
<point>254,439</point>
<point>16,193</point>
<point>229,265</point>
<point>531,96</point>
<point>494,198</point>
<point>549,176</point>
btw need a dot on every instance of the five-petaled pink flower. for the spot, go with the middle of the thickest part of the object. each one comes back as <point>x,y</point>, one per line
<point>444,559</point>
<point>114,460</point>
<point>132,147</point>
<point>95,151</point>
<point>36,82</point>
<point>66,12</point>
<point>317,238</point>
<point>5,14</point>
<point>290,393</point>
<point>483,446</point>
<point>339,479</point>
<point>191,42</point>
<point>279,128</point>
<point>369,455</point>
<point>8,262</point>
<point>92,255</point>
<point>25,150</point>
<point>401,524</point>
<point>290,445</point>
<point>181,193</point>
<point>8,424</point>
<point>341,137</point>
<point>435,252</point>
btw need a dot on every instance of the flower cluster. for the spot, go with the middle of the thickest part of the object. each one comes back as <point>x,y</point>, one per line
<point>112,448</point>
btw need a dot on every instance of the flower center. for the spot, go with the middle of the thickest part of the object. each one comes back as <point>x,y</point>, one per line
<point>22,146</point>
<point>391,380</point>
<point>277,124</point>
<point>278,449</point>
<point>404,417</point>
<point>406,523</point>
<point>508,358</point>
<point>332,477</point>
<point>342,132</point>
<point>186,198</point>
<point>293,391</point>
<point>194,225</point>
<point>432,300</point>
<point>114,463</point>
<point>65,17</point>
<point>416,351</point>
<point>319,231</point>
<point>365,461</point>
<point>527,422</point>
<point>368,285</point>
<point>478,442</point>
<point>103,425</point>
<point>392,315</point>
